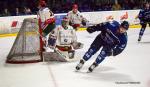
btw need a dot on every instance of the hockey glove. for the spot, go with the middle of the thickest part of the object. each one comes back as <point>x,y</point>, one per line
<point>90,29</point>
<point>84,23</point>
<point>116,51</point>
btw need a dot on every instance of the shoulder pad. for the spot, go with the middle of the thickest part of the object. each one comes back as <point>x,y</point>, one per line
<point>46,9</point>
<point>70,27</point>
<point>69,11</point>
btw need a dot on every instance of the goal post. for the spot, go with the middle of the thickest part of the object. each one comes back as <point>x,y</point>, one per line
<point>28,44</point>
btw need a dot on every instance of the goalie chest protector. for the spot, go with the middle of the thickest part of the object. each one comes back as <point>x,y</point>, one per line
<point>65,37</point>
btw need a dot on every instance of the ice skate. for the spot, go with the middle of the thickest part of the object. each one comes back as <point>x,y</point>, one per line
<point>91,68</point>
<point>81,63</point>
<point>139,39</point>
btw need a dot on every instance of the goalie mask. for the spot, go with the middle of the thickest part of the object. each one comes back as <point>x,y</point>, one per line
<point>65,22</point>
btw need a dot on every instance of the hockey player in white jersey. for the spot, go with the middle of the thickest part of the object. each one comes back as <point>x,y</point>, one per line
<point>63,39</point>
<point>75,18</point>
<point>46,22</point>
<point>46,17</point>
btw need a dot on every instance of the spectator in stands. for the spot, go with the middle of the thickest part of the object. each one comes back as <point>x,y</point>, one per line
<point>116,6</point>
<point>27,11</point>
<point>6,12</point>
<point>61,6</point>
<point>107,7</point>
<point>17,12</point>
<point>98,7</point>
<point>126,5</point>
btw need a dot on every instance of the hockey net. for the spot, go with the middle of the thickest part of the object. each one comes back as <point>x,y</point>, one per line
<point>27,45</point>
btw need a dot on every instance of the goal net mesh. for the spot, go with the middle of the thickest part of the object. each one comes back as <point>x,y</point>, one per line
<point>26,48</point>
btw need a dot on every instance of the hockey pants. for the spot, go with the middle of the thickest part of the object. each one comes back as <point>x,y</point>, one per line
<point>95,46</point>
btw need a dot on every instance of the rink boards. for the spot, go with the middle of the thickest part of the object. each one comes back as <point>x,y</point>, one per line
<point>80,29</point>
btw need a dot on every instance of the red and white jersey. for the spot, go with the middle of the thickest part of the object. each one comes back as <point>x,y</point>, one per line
<point>45,14</point>
<point>64,37</point>
<point>75,18</point>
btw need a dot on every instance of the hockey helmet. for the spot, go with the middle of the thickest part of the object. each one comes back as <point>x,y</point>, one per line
<point>42,3</point>
<point>65,21</point>
<point>75,6</point>
<point>125,25</point>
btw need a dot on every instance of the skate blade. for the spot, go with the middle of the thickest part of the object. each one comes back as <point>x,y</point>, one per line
<point>89,71</point>
<point>76,70</point>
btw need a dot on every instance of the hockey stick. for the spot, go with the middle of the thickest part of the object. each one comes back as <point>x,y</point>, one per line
<point>63,59</point>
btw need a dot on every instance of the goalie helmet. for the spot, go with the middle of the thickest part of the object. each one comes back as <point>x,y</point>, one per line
<point>65,22</point>
<point>65,19</point>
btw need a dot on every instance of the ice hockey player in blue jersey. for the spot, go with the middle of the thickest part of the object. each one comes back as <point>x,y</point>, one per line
<point>144,16</point>
<point>112,40</point>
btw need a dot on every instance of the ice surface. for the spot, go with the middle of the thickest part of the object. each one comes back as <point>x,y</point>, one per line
<point>130,66</point>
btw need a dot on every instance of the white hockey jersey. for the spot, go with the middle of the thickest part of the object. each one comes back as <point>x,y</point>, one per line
<point>64,37</point>
<point>75,18</point>
<point>45,13</point>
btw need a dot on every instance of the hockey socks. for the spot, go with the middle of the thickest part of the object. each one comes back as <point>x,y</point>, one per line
<point>139,39</point>
<point>141,33</point>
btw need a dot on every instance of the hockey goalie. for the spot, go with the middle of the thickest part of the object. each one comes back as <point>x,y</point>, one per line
<point>62,42</point>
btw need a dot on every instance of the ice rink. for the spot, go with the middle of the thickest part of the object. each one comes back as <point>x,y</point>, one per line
<point>129,69</point>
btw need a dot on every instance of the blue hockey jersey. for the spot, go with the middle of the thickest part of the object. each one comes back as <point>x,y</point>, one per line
<point>144,15</point>
<point>110,36</point>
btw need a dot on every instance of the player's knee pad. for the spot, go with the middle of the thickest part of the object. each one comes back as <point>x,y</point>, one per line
<point>107,51</point>
<point>89,53</point>
<point>99,59</point>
